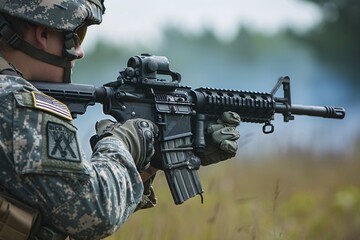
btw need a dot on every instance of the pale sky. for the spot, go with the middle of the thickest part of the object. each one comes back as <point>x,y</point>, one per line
<point>134,22</point>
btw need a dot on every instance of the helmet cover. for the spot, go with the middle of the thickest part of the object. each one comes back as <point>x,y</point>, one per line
<point>62,15</point>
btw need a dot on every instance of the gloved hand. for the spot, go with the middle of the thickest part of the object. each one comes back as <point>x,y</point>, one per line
<point>221,139</point>
<point>136,134</point>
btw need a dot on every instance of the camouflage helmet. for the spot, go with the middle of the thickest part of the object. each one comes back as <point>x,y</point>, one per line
<point>71,17</point>
<point>62,15</point>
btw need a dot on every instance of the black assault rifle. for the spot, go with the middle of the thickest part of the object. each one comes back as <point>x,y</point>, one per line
<point>180,112</point>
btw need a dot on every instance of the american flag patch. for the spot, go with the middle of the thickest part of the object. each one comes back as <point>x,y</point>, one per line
<point>49,104</point>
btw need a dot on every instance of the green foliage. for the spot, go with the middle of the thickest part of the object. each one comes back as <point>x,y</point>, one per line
<point>282,197</point>
<point>336,40</point>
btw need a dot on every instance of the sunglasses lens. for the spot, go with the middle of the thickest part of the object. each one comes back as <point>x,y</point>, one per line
<point>81,32</point>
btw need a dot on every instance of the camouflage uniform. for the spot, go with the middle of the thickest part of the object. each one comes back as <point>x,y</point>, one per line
<point>42,164</point>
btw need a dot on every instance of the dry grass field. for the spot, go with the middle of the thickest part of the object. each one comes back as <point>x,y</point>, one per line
<point>291,196</point>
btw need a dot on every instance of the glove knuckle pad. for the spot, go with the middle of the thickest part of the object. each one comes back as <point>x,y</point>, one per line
<point>146,134</point>
<point>229,146</point>
<point>230,119</point>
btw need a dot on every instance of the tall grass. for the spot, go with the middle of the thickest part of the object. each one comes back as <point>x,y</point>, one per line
<point>292,196</point>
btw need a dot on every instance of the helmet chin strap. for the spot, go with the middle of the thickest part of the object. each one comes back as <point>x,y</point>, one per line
<point>69,54</point>
<point>64,61</point>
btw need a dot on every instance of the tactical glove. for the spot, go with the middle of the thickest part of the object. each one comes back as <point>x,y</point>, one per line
<point>221,139</point>
<point>136,134</point>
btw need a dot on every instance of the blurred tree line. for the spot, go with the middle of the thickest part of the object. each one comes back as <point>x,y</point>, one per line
<point>334,43</point>
<point>336,40</point>
<point>322,63</point>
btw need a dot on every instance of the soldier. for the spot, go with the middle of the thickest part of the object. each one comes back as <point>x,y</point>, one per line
<point>49,189</point>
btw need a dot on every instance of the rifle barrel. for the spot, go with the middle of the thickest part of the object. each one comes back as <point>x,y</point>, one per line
<point>319,111</point>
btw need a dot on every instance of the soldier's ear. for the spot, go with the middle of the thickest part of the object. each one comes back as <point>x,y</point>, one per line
<point>41,37</point>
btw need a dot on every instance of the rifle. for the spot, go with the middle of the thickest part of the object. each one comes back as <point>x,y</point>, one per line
<point>181,113</point>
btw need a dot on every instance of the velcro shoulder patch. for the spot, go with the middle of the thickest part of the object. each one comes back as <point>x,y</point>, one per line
<point>62,143</point>
<point>50,104</point>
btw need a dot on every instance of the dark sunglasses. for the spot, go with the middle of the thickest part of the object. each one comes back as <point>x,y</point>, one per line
<point>79,35</point>
<point>75,39</point>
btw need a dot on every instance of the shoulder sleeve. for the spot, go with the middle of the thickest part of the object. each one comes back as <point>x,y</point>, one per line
<point>83,197</point>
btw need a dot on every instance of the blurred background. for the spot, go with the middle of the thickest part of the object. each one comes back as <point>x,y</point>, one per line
<point>302,181</point>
